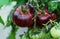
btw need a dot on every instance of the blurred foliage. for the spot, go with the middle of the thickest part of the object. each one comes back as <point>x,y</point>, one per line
<point>52,6</point>
<point>4,2</point>
<point>12,34</point>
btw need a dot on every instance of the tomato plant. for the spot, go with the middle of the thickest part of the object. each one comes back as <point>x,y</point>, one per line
<point>35,14</point>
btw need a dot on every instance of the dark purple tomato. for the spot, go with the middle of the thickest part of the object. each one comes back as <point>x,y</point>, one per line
<point>22,19</point>
<point>42,19</point>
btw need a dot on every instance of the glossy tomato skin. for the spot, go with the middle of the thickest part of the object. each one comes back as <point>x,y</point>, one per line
<point>22,19</point>
<point>42,19</point>
<point>53,15</point>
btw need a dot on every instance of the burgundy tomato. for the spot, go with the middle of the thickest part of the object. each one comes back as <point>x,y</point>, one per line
<point>22,18</point>
<point>42,19</point>
<point>53,15</point>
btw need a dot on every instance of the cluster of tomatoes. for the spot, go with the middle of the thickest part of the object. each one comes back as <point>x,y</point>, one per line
<point>23,16</point>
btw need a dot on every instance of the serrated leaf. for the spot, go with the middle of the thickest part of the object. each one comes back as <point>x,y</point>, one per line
<point>1,20</point>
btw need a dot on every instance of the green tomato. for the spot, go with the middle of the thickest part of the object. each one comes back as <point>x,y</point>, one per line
<point>55,32</point>
<point>38,36</point>
<point>34,37</point>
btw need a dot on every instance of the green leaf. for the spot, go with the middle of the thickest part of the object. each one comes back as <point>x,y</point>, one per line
<point>58,9</point>
<point>13,32</point>
<point>12,35</point>
<point>52,6</point>
<point>8,23</point>
<point>1,20</point>
<point>9,18</point>
<point>48,36</point>
<point>4,2</point>
<point>20,2</point>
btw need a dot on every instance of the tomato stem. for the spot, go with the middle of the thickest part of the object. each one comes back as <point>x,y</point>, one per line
<point>35,18</point>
